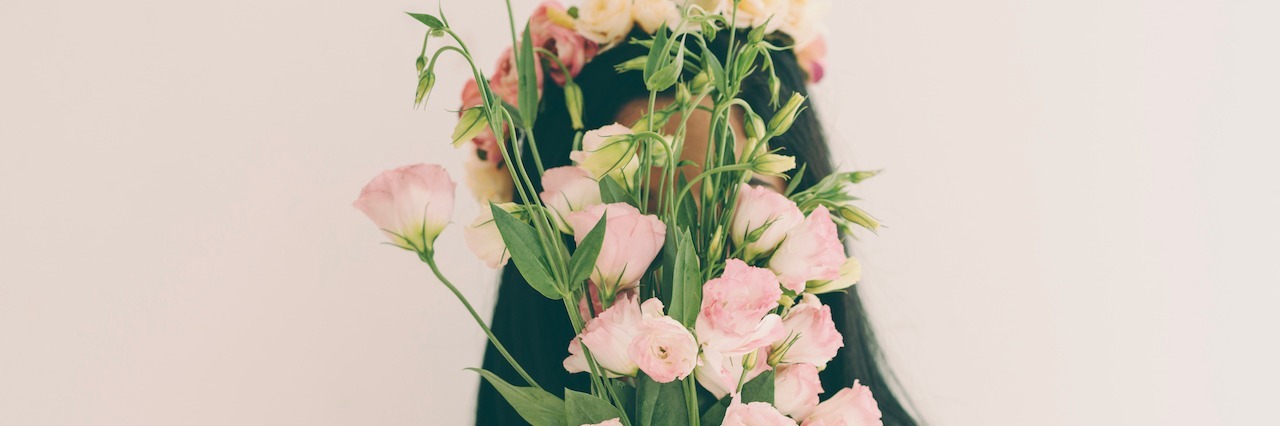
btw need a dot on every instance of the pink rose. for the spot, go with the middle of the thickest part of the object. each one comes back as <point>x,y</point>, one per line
<point>486,143</point>
<point>811,335</point>
<point>664,349</point>
<point>610,422</point>
<point>551,28</point>
<point>851,407</point>
<point>506,79</point>
<point>566,190</point>
<point>735,316</point>
<point>410,204</point>
<point>721,374</point>
<point>484,240</point>
<point>796,388</point>
<point>754,414</point>
<point>765,212</point>
<point>810,251</point>
<point>631,242</point>
<point>609,338</point>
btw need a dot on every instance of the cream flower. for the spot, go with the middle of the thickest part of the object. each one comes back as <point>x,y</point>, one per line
<point>803,21</point>
<point>605,21</point>
<point>652,14</point>
<point>761,13</point>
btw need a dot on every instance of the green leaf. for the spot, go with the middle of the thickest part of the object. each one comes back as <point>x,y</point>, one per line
<point>612,192</point>
<point>431,21</point>
<point>536,406</point>
<point>584,257</point>
<point>712,65</point>
<point>715,414</point>
<point>528,81</point>
<point>660,403</point>
<point>657,54</point>
<point>759,389</point>
<point>582,409</point>
<point>526,250</point>
<point>686,286</point>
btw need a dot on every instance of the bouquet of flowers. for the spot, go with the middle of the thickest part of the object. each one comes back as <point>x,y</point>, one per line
<point>691,292</point>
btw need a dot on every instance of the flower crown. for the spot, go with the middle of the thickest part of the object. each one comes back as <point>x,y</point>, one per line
<point>574,36</point>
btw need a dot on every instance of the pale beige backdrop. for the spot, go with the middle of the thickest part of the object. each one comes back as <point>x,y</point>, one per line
<point>1080,196</point>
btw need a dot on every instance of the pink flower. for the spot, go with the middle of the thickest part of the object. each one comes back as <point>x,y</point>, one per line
<point>566,190</point>
<point>764,212</point>
<point>811,336</point>
<point>609,338</point>
<point>664,349</point>
<point>410,204</point>
<point>552,29</point>
<point>484,240</point>
<point>813,57</point>
<point>810,251</point>
<point>486,143</point>
<point>851,407</point>
<point>611,422</point>
<point>735,317</point>
<point>721,374</point>
<point>506,79</point>
<point>796,388</point>
<point>754,414</point>
<point>606,151</point>
<point>631,242</point>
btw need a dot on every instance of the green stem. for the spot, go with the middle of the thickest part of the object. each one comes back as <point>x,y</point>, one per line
<point>430,259</point>
<point>691,401</point>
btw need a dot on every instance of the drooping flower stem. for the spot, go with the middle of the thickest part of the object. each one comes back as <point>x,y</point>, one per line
<point>430,260</point>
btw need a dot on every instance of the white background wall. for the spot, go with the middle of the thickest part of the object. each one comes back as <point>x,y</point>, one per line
<point>1081,205</point>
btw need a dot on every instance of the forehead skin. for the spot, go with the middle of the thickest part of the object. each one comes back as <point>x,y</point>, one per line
<point>697,133</point>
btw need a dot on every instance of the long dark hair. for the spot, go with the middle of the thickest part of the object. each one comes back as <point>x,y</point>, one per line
<point>536,330</point>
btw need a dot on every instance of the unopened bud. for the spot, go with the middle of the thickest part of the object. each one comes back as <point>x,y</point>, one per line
<point>773,164</point>
<point>860,217</point>
<point>717,242</point>
<point>470,124</point>
<point>864,175</point>
<point>701,81</point>
<point>850,274</point>
<point>426,81</point>
<point>634,64</point>
<point>783,119</point>
<point>573,101</point>
<point>682,94</point>
<point>421,64</point>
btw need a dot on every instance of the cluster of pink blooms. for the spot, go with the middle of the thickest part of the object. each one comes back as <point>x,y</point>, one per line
<point>739,332</point>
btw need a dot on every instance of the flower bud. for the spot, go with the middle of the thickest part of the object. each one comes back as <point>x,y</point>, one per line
<point>850,274</point>
<point>573,101</point>
<point>634,64</point>
<point>426,81</point>
<point>470,124</point>
<point>682,94</point>
<point>783,119</point>
<point>864,175</point>
<point>773,164</point>
<point>701,81</point>
<point>860,217</point>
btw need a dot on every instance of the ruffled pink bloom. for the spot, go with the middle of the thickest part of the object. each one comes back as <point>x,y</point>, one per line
<point>609,338</point>
<point>850,407</point>
<point>796,388</point>
<point>486,143</point>
<point>571,48</point>
<point>566,190</point>
<point>813,58</point>
<point>631,242</point>
<point>664,349</point>
<point>810,251</point>
<point>506,79</point>
<point>811,334</point>
<point>754,414</point>
<point>735,316</point>
<point>720,373</point>
<point>410,204</point>
<point>765,212</point>
<point>610,422</point>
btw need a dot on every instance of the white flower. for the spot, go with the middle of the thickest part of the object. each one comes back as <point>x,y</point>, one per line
<point>803,21</point>
<point>605,21</point>
<point>652,14</point>
<point>484,239</point>
<point>760,13</point>
<point>488,181</point>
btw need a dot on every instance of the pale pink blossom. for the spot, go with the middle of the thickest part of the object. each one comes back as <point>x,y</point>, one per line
<point>506,78</point>
<point>484,240</point>
<point>754,414</point>
<point>552,29</point>
<point>735,316</point>
<point>611,422</point>
<point>566,190</point>
<point>813,58</point>
<point>631,242</point>
<point>606,151</point>
<point>811,335</point>
<point>766,213</point>
<point>810,251</point>
<point>664,349</point>
<point>609,337</point>
<point>853,406</point>
<point>410,204</point>
<point>796,388</point>
<point>721,374</point>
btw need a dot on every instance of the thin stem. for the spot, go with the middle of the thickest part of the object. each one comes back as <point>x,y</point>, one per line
<point>430,259</point>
